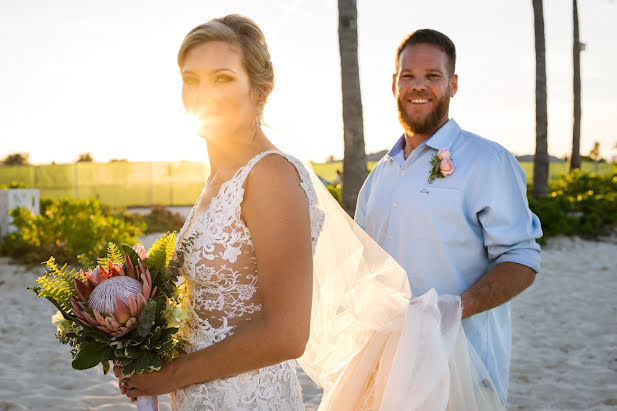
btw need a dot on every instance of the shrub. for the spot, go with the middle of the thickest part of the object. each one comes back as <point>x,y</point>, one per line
<point>580,203</point>
<point>335,190</point>
<point>162,220</point>
<point>66,228</point>
<point>14,184</point>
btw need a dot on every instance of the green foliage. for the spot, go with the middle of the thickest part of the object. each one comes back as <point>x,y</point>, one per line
<point>335,190</point>
<point>14,184</point>
<point>579,204</point>
<point>85,158</point>
<point>435,169</point>
<point>153,340</point>
<point>146,320</point>
<point>161,220</point>
<point>114,254</point>
<point>57,286</point>
<point>89,355</point>
<point>16,159</point>
<point>66,228</point>
<point>159,256</point>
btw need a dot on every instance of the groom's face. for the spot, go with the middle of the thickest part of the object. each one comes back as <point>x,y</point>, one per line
<point>423,88</point>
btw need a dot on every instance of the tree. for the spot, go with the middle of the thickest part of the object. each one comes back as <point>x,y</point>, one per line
<point>85,158</point>
<point>540,159</point>
<point>354,161</point>
<point>575,157</point>
<point>594,154</point>
<point>16,159</point>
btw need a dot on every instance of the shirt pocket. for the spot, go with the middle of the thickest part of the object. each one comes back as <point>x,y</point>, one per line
<point>439,214</point>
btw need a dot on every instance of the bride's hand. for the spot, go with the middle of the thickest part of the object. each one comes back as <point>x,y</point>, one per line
<point>148,383</point>
<point>118,373</point>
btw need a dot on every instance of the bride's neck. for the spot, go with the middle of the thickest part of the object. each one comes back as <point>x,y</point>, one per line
<point>226,155</point>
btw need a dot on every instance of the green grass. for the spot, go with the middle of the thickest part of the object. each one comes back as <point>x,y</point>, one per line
<point>557,169</point>
<point>164,183</point>
<point>328,170</point>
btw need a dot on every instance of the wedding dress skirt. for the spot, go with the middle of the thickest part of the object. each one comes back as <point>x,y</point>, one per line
<point>374,347</point>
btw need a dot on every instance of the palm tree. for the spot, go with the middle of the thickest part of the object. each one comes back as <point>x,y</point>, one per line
<point>575,158</point>
<point>540,159</point>
<point>354,161</point>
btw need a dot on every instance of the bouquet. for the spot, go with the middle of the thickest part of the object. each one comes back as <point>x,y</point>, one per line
<point>125,308</point>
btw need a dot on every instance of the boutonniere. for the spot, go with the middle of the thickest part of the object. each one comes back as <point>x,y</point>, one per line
<point>441,165</point>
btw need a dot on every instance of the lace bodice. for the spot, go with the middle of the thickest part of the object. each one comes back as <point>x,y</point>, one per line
<point>222,290</point>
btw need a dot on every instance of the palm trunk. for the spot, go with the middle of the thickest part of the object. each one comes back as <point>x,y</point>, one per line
<point>575,158</point>
<point>540,160</point>
<point>354,161</point>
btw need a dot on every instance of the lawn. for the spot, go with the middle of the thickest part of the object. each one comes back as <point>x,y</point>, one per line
<point>328,170</point>
<point>173,183</point>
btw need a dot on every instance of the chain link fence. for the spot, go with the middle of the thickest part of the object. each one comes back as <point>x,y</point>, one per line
<point>122,183</point>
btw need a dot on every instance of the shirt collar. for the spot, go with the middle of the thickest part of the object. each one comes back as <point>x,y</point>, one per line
<point>442,139</point>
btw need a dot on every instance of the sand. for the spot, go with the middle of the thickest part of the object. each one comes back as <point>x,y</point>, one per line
<point>564,354</point>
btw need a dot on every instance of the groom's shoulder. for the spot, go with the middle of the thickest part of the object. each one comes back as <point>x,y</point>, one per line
<point>480,146</point>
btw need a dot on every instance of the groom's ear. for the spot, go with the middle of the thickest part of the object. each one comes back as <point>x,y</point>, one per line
<point>453,85</point>
<point>394,84</point>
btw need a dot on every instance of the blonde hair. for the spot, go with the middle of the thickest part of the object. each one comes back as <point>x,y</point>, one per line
<point>243,32</point>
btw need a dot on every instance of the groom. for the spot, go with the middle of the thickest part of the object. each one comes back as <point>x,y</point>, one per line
<point>450,206</point>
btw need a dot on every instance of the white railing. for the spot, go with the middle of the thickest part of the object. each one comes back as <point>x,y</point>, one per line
<point>16,197</point>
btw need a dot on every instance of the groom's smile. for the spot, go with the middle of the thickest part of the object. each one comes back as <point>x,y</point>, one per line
<point>423,87</point>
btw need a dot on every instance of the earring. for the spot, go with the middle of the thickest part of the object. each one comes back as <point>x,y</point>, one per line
<point>258,117</point>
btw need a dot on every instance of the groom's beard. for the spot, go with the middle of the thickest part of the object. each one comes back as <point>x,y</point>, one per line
<point>430,123</point>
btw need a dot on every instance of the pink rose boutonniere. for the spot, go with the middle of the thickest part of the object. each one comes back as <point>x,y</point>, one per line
<point>441,165</point>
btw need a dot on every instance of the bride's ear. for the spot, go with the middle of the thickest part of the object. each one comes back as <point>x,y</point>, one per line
<point>261,93</point>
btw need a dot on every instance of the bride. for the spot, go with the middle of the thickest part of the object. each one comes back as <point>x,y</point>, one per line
<point>262,291</point>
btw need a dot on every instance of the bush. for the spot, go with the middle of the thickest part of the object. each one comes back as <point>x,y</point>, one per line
<point>162,220</point>
<point>581,203</point>
<point>66,228</point>
<point>335,190</point>
<point>14,184</point>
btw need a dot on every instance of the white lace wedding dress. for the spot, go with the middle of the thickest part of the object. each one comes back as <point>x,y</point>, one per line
<point>222,280</point>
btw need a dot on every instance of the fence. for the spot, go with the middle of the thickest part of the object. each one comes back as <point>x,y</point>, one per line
<point>119,183</point>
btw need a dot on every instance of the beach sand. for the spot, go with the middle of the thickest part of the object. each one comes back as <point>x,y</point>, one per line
<point>564,354</point>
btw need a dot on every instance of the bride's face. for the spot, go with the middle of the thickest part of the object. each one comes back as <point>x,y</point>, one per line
<point>217,90</point>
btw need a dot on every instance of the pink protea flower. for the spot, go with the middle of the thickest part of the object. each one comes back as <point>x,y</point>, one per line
<point>111,300</point>
<point>141,251</point>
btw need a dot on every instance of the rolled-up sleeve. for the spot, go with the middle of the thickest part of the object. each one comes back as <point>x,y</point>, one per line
<point>510,228</point>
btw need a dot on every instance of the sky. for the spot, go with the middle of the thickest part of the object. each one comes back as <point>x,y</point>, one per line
<point>82,76</point>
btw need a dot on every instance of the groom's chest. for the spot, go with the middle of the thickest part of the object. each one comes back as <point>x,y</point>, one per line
<point>402,199</point>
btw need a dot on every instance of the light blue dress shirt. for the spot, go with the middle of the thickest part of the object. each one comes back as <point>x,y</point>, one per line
<point>448,234</point>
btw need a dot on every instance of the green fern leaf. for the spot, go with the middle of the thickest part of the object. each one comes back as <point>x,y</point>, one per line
<point>57,285</point>
<point>114,254</point>
<point>160,253</point>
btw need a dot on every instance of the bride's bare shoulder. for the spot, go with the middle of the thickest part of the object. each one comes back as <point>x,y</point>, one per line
<point>273,186</point>
<point>276,170</point>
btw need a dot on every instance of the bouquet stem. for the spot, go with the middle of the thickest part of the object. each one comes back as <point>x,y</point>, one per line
<point>148,403</point>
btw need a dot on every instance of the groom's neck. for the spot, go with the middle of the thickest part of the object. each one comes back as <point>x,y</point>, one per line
<point>412,141</point>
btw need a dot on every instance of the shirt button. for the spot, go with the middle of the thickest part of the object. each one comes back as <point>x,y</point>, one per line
<point>403,172</point>
<point>395,204</point>
<point>389,236</point>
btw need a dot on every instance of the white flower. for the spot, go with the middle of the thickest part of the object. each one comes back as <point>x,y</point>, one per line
<point>59,321</point>
<point>175,314</point>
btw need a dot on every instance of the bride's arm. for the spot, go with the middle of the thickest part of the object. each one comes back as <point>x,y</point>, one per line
<point>276,212</point>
